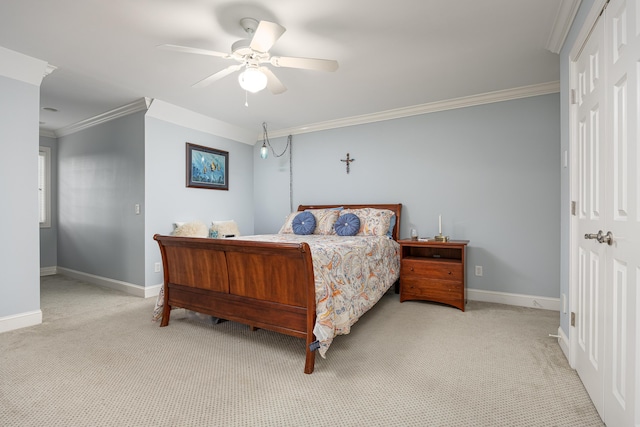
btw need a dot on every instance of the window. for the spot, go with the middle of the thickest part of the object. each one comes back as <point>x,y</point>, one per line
<point>44,186</point>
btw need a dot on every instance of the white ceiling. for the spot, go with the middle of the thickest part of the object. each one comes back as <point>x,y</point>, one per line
<point>391,54</point>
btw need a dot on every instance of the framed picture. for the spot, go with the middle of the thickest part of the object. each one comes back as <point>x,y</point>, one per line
<point>207,167</point>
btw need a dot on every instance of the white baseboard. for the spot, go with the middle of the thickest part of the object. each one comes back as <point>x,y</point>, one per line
<point>22,320</point>
<point>48,271</point>
<point>531,301</point>
<point>129,288</point>
<point>152,291</point>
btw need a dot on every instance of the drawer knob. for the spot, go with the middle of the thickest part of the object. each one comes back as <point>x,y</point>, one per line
<point>449,272</point>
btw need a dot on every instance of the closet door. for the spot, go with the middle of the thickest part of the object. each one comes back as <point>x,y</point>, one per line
<point>607,244</point>
<point>622,213</point>
<point>589,129</point>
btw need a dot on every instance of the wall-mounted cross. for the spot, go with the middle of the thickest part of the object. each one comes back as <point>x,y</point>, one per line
<point>347,161</point>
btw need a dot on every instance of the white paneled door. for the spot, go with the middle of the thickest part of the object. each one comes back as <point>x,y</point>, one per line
<point>589,128</point>
<point>606,258</point>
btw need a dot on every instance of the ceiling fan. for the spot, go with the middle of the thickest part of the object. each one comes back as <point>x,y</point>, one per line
<point>252,53</point>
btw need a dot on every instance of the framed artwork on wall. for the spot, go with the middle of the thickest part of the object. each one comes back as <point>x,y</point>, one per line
<point>207,167</point>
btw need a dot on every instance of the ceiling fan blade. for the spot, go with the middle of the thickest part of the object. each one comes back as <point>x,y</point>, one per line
<point>197,51</point>
<point>305,63</point>
<point>217,76</point>
<point>274,84</point>
<point>266,35</point>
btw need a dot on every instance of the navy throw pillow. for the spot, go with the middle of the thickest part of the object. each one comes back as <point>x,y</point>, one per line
<point>304,223</point>
<point>347,225</point>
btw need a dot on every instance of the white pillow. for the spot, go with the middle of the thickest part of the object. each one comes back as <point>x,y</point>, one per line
<point>225,228</point>
<point>191,229</point>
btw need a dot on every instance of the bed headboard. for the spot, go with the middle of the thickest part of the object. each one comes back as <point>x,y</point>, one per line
<point>395,208</point>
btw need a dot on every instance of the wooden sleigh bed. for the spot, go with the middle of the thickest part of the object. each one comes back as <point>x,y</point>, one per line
<point>263,284</point>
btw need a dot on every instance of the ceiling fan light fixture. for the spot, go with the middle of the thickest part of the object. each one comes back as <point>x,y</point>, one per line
<point>252,80</point>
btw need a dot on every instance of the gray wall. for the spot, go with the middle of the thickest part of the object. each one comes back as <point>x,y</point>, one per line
<point>49,235</point>
<point>565,199</point>
<point>19,253</point>
<point>167,199</point>
<point>492,171</point>
<point>101,178</point>
<point>105,170</point>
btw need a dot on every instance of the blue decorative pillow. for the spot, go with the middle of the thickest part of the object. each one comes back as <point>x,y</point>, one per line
<point>347,225</point>
<point>392,225</point>
<point>304,223</point>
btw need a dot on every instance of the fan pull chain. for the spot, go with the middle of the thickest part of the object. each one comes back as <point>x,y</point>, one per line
<point>246,98</point>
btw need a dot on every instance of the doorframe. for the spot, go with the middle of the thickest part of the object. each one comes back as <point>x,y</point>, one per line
<point>570,348</point>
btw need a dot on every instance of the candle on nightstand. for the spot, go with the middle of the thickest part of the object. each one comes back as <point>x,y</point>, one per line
<point>439,224</point>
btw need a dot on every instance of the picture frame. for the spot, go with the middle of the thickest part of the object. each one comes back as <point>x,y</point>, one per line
<point>207,167</point>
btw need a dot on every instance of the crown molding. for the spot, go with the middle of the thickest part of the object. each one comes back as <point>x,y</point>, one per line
<point>48,133</point>
<point>141,104</point>
<point>567,10</point>
<point>20,67</point>
<point>236,134</point>
<point>183,117</point>
<point>469,101</point>
<point>50,69</point>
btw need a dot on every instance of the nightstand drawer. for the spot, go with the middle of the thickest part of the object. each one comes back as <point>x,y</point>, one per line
<point>432,269</point>
<point>438,290</point>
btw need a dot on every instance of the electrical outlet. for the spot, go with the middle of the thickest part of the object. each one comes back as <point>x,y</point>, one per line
<point>478,270</point>
<point>136,208</point>
<point>157,267</point>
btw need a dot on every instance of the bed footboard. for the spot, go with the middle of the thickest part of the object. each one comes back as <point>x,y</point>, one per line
<point>261,284</point>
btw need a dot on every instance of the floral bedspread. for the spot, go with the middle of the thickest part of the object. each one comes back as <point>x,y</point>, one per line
<point>351,275</point>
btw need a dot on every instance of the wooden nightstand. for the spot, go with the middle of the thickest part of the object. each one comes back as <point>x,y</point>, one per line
<point>433,271</point>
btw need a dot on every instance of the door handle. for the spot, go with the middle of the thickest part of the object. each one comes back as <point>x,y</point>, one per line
<point>608,238</point>
<point>594,236</point>
<point>601,238</point>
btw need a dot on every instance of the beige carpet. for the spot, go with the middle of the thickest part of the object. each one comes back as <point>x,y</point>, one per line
<point>98,360</point>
